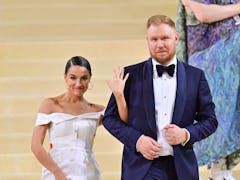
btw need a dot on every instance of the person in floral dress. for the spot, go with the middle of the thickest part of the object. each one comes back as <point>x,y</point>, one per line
<point>210,39</point>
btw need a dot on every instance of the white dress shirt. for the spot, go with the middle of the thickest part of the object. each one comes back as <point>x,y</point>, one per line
<point>164,96</point>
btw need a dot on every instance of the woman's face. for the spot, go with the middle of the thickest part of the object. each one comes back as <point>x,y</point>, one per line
<point>77,80</point>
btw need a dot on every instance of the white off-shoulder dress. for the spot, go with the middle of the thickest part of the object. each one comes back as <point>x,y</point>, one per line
<point>71,141</point>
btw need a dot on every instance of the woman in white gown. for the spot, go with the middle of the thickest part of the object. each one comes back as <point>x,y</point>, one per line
<point>71,121</point>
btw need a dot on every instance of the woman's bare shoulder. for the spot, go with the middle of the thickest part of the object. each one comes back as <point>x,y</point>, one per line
<point>48,105</point>
<point>98,107</point>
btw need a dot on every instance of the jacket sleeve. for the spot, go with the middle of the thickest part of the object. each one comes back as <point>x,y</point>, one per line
<point>122,131</point>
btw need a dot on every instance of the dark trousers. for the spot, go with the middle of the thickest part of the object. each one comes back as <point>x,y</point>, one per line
<point>162,168</point>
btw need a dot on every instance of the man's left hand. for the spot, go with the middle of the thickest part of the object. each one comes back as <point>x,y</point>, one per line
<point>174,134</point>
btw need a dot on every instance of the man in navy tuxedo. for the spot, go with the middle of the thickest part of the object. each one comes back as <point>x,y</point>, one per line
<point>169,109</point>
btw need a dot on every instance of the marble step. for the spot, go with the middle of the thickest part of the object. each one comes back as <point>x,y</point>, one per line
<point>59,52</point>
<point>67,11</point>
<point>25,163</point>
<point>20,143</point>
<point>15,123</point>
<point>36,176</point>
<point>44,86</point>
<point>78,20</point>
<point>30,104</point>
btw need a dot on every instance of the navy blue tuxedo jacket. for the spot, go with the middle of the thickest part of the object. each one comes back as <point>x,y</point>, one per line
<point>193,110</point>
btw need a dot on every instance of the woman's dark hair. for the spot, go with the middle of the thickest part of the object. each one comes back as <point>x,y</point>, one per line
<point>78,61</point>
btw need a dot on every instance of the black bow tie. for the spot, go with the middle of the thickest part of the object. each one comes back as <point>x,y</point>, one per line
<point>168,69</point>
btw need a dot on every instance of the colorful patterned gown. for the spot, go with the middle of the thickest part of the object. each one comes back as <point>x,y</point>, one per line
<point>215,48</point>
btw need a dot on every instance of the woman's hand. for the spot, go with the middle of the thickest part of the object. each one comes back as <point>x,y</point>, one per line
<point>118,83</point>
<point>117,86</point>
<point>59,175</point>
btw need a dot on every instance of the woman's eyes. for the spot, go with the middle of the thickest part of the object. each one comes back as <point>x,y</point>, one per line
<point>83,78</point>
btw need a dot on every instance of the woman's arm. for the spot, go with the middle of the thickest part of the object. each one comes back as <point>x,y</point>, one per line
<point>122,106</point>
<point>208,13</point>
<point>41,154</point>
<point>117,87</point>
<point>38,150</point>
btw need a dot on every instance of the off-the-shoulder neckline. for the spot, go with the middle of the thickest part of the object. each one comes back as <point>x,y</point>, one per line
<point>70,114</point>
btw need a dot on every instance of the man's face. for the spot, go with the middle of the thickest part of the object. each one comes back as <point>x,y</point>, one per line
<point>162,40</point>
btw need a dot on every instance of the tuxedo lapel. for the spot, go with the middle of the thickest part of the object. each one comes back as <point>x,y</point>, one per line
<point>148,95</point>
<point>180,100</point>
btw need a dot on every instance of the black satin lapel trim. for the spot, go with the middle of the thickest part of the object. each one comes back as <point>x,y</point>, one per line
<point>180,100</point>
<point>148,95</point>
